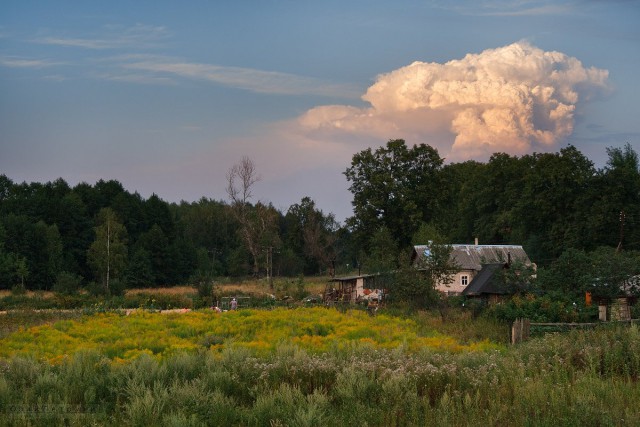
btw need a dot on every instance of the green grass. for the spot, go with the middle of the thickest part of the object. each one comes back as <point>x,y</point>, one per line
<point>580,378</point>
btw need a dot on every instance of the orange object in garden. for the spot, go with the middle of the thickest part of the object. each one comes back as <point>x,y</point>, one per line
<point>587,299</point>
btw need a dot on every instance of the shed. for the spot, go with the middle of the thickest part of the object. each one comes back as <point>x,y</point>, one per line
<point>352,288</point>
<point>485,285</point>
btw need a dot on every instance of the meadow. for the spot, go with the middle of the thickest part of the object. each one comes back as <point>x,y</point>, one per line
<point>312,367</point>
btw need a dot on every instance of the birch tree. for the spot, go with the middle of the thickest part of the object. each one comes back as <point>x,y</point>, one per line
<point>107,255</point>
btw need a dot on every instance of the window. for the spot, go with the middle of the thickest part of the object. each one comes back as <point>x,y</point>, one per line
<point>464,280</point>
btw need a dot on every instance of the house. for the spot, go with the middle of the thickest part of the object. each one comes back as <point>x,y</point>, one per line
<point>352,289</point>
<point>477,263</point>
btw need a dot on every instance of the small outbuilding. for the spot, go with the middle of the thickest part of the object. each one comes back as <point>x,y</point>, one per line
<point>615,305</point>
<point>486,285</point>
<point>351,289</point>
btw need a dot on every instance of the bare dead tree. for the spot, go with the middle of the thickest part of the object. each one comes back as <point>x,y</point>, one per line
<point>241,179</point>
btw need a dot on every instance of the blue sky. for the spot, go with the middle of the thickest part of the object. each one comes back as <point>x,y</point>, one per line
<point>166,96</point>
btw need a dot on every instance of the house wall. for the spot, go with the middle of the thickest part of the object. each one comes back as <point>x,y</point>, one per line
<point>359,288</point>
<point>616,310</point>
<point>456,287</point>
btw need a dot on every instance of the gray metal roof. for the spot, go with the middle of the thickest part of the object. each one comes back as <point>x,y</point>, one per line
<point>473,257</point>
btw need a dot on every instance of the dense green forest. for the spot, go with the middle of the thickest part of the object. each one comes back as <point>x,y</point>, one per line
<point>559,206</point>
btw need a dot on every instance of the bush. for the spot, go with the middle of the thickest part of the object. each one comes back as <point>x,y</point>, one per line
<point>157,301</point>
<point>24,302</point>
<point>207,293</point>
<point>18,289</point>
<point>542,309</point>
<point>67,283</point>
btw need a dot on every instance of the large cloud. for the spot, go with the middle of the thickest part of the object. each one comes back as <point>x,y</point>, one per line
<point>515,99</point>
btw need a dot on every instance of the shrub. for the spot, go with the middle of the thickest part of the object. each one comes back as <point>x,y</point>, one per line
<point>158,301</point>
<point>207,293</point>
<point>18,289</point>
<point>67,283</point>
<point>541,309</point>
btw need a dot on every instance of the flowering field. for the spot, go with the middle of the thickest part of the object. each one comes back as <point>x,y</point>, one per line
<point>310,367</point>
<point>123,337</point>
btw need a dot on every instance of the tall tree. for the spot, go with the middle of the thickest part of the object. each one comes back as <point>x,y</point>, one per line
<point>552,208</point>
<point>383,254</point>
<point>211,227</point>
<point>495,199</point>
<point>460,183</point>
<point>615,201</point>
<point>108,253</point>
<point>76,232</point>
<point>155,243</point>
<point>258,224</point>
<point>241,178</point>
<point>311,233</point>
<point>6,262</point>
<point>394,186</point>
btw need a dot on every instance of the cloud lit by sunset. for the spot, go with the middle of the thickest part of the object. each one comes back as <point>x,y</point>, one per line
<point>165,98</point>
<point>515,99</point>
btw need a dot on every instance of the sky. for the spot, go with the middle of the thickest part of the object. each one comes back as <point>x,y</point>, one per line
<point>166,96</point>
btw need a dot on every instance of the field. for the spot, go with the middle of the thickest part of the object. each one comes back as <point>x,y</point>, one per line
<point>309,367</point>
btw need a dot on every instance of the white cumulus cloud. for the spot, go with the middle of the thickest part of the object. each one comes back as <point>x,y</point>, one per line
<point>513,99</point>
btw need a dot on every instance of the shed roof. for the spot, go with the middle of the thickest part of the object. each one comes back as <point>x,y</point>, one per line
<point>350,278</point>
<point>473,257</point>
<point>485,281</point>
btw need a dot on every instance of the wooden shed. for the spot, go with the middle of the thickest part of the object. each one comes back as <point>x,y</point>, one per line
<point>350,289</point>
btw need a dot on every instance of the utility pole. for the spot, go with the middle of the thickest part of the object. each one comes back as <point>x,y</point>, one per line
<point>108,252</point>
<point>619,248</point>
<point>270,266</point>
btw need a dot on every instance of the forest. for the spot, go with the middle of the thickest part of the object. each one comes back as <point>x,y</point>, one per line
<point>559,206</point>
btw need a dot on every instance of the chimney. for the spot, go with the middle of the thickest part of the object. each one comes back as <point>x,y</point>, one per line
<point>476,242</point>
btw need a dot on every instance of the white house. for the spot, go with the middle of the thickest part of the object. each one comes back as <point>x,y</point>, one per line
<point>470,260</point>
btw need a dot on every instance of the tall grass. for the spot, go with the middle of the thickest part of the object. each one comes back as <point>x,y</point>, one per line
<point>583,378</point>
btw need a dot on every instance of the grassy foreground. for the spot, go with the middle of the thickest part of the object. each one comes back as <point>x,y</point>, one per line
<point>583,378</point>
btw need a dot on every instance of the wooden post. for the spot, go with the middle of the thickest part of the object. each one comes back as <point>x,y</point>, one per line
<point>520,330</point>
<point>515,331</point>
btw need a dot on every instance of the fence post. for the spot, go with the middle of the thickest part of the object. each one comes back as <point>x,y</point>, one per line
<point>515,331</point>
<point>520,330</point>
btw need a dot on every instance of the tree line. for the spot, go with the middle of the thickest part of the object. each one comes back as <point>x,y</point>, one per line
<point>55,235</point>
<point>547,202</point>
<point>107,238</point>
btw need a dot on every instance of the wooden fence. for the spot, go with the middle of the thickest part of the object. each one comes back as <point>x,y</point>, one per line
<point>522,328</point>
